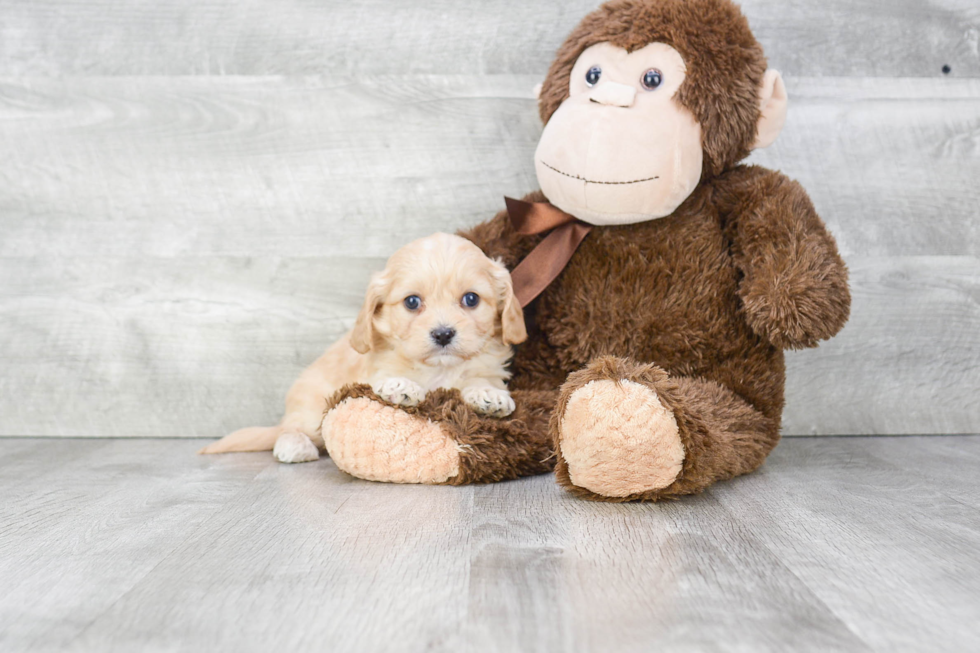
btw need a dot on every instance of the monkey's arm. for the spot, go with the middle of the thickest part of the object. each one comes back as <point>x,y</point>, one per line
<point>794,288</point>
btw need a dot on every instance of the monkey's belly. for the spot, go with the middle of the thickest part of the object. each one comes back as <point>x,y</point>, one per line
<point>664,292</point>
<point>680,342</point>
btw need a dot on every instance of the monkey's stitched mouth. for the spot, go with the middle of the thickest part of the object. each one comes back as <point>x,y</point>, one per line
<point>589,181</point>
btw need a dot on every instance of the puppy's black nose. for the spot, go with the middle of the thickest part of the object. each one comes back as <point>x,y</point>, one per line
<point>443,335</point>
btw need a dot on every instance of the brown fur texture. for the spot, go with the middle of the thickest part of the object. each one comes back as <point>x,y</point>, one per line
<point>697,306</point>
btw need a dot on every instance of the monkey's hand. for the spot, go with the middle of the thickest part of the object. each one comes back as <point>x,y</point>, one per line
<point>794,288</point>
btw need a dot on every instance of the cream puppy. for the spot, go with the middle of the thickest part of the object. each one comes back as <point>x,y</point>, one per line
<point>440,315</point>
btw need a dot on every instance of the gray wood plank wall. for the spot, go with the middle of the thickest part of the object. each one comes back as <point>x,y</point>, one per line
<point>193,194</point>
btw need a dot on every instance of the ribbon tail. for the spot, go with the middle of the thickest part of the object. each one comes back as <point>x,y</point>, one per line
<point>547,260</point>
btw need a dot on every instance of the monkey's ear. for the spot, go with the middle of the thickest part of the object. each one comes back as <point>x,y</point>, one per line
<point>772,102</point>
<point>362,335</point>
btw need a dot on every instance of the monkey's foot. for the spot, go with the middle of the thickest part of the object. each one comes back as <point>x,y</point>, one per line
<point>442,440</point>
<point>377,442</point>
<point>618,439</point>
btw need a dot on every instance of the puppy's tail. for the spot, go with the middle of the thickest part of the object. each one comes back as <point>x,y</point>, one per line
<point>254,438</point>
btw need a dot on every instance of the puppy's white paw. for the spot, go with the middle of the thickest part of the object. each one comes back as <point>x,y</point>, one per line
<point>400,391</point>
<point>295,447</point>
<point>489,401</point>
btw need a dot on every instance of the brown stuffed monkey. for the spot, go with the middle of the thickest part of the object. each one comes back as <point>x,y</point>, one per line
<point>654,363</point>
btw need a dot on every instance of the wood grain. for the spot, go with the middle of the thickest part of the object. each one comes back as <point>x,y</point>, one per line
<point>83,522</point>
<point>630,577</point>
<point>202,346</point>
<point>164,346</point>
<point>907,362</point>
<point>890,164</point>
<point>844,544</point>
<point>311,167</point>
<point>897,38</point>
<point>256,166</point>
<point>306,557</point>
<point>868,536</point>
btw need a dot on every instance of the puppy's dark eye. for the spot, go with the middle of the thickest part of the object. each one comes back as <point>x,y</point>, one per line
<point>593,75</point>
<point>471,299</point>
<point>412,302</point>
<point>652,79</point>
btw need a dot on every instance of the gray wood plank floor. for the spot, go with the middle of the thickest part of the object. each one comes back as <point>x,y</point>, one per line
<point>850,544</point>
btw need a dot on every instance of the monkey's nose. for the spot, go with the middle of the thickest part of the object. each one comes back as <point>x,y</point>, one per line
<point>613,94</point>
<point>443,335</point>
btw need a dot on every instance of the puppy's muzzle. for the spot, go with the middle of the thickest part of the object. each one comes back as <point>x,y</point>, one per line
<point>443,335</point>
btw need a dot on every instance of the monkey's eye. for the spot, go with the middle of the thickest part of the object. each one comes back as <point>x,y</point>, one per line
<point>412,302</point>
<point>652,79</point>
<point>471,299</point>
<point>592,76</point>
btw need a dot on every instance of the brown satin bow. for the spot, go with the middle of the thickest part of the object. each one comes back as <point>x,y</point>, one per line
<point>551,255</point>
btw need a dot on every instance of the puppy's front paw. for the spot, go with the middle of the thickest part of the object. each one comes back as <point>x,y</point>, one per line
<point>400,391</point>
<point>489,401</point>
<point>295,447</point>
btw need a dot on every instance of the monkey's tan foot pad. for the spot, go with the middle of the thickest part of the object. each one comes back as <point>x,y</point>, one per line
<point>376,442</point>
<point>618,439</point>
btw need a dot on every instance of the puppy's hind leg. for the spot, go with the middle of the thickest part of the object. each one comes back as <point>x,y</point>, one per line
<point>305,402</point>
<point>295,447</point>
<point>300,440</point>
<point>254,438</point>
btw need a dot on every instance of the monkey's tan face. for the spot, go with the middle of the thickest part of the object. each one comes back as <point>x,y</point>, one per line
<point>621,149</point>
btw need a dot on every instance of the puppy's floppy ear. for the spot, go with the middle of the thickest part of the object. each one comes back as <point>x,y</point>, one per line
<point>511,315</point>
<point>362,335</point>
